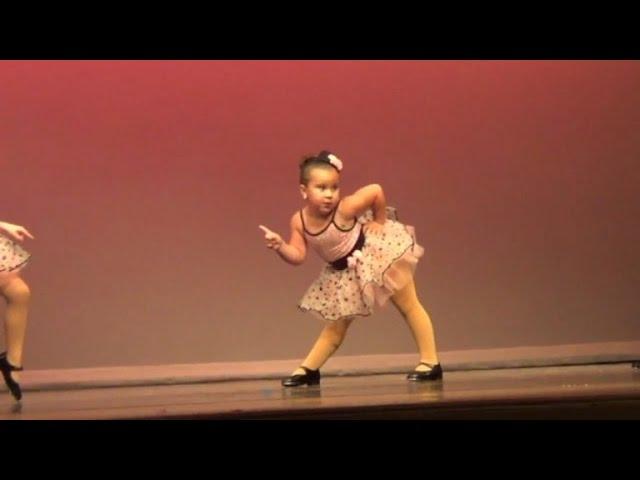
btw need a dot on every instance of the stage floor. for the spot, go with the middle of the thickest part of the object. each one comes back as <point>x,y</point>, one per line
<point>607,391</point>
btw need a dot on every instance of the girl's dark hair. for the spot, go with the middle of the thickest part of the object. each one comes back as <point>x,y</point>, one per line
<point>311,161</point>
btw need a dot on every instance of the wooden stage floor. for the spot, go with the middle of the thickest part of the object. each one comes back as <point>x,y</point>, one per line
<point>605,391</point>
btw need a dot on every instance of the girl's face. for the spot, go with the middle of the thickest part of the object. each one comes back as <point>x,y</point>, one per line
<point>322,192</point>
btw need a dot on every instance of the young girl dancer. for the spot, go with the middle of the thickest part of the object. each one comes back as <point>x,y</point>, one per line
<point>371,258</point>
<point>13,258</point>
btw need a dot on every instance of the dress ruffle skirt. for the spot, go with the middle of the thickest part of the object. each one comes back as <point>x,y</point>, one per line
<point>384,265</point>
<point>13,257</point>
